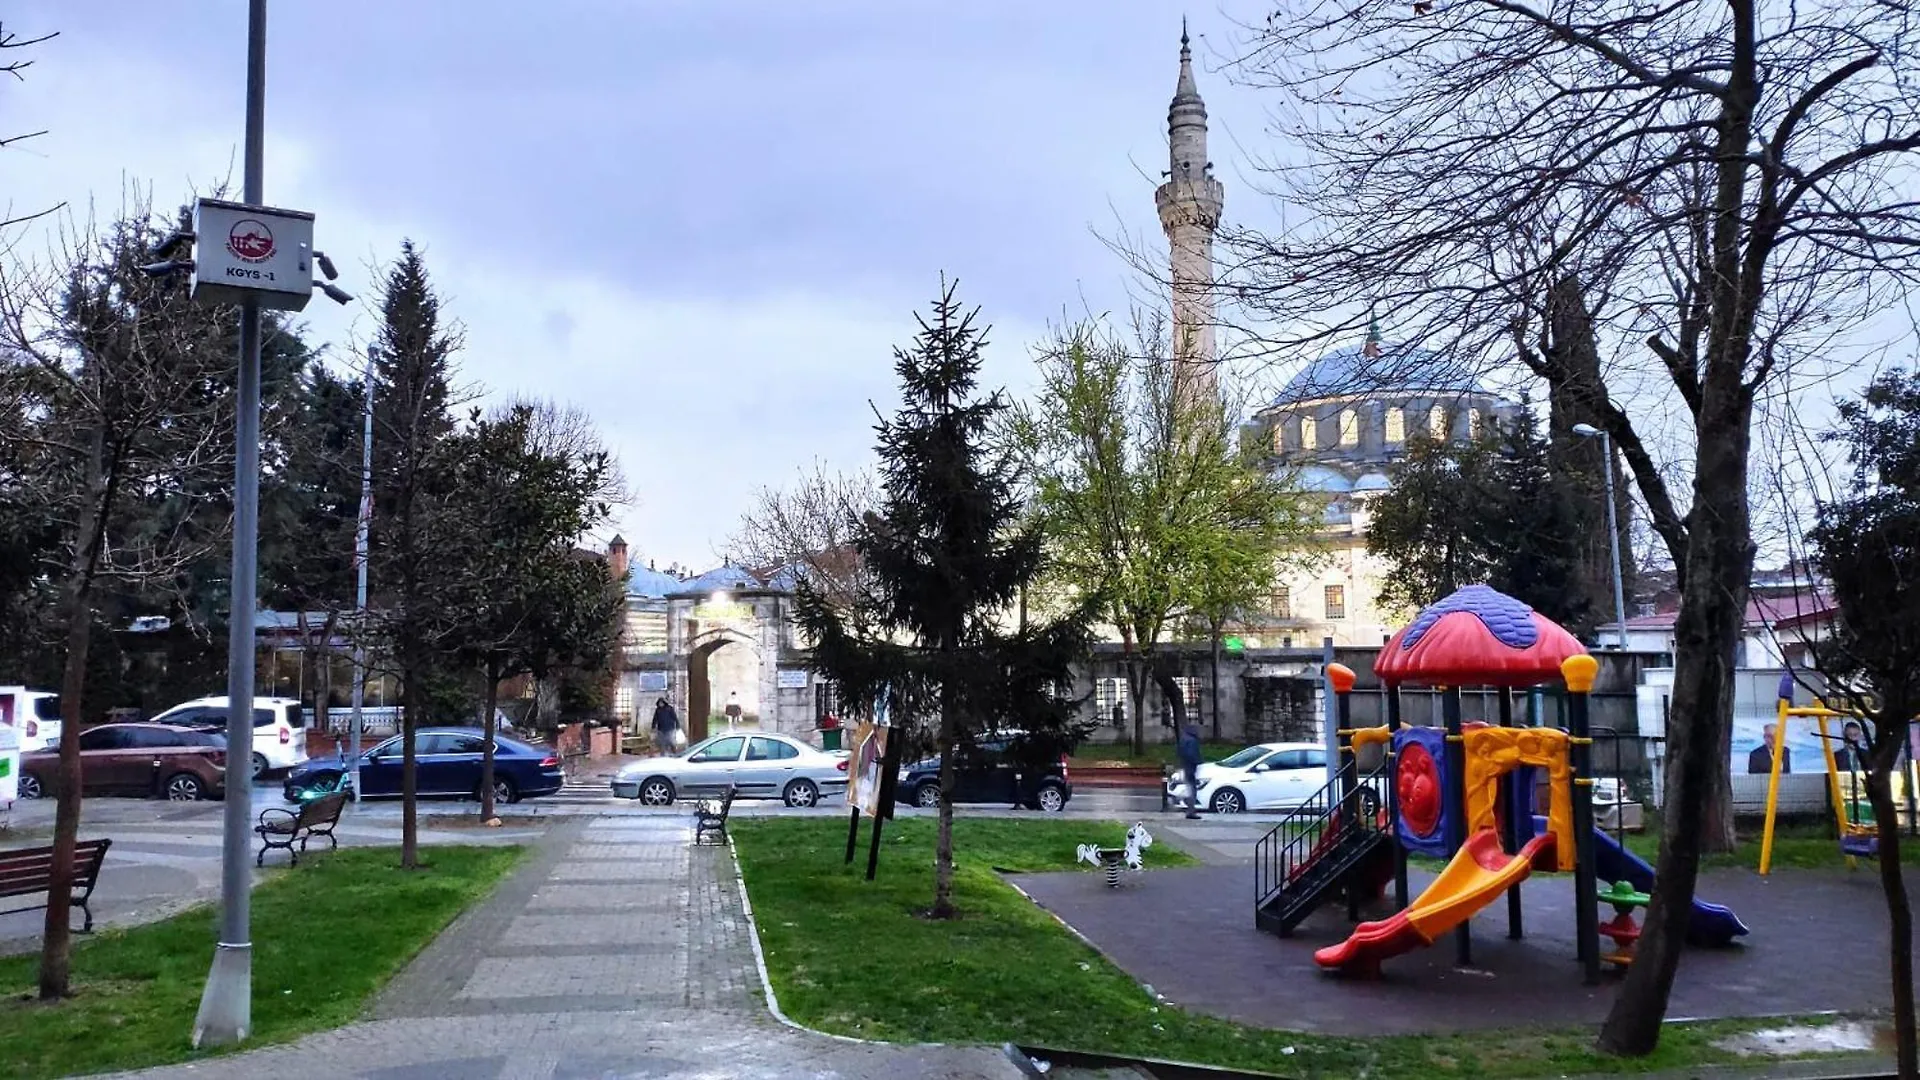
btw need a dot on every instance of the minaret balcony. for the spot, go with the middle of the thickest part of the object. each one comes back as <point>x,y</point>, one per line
<point>1205,195</point>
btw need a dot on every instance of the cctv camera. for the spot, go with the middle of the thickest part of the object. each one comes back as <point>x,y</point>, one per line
<point>336,294</point>
<point>173,240</point>
<point>326,265</point>
<point>160,269</point>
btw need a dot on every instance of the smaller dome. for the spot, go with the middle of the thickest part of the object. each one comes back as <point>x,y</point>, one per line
<point>647,582</point>
<point>1319,478</point>
<point>1373,481</point>
<point>719,579</point>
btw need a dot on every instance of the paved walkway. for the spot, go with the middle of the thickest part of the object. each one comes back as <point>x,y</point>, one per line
<point>618,950</point>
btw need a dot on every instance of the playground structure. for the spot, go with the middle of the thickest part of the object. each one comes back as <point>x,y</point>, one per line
<point>1853,817</point>
<point>1466,793</point>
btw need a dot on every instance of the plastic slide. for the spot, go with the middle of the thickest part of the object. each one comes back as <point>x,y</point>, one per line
<point>1711,924</point>
<point>1479,873</point>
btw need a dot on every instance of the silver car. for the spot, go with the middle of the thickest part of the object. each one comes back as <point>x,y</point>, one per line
<point>757,765</point>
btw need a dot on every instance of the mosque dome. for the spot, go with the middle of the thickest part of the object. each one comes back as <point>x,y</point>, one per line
<point>1378,370</point>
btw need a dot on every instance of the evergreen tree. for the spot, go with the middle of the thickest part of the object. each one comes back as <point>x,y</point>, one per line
<point>1536,537</point>
<point>948,554</point>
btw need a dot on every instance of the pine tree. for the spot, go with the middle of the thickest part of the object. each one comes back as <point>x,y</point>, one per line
<point>949,554</point>
<point>1536,540</point>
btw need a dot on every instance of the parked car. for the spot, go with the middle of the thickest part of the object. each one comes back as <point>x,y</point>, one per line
<point>279,738</point>
<point>987,774</point>
<point>135,759</point>
<point>34,715</point>
<point>446,765</point>
<point>757,765</point>
<point>1269,776</point>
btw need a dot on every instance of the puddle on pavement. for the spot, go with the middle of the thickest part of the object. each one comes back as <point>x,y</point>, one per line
<point>1840,1037</point>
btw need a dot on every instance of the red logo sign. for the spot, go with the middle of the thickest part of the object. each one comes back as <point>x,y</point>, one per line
<point>250,241</point>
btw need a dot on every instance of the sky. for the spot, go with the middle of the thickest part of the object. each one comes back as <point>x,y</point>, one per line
<point>705,224</point>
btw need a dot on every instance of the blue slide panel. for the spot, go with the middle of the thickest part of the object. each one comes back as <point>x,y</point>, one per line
<point>1712,925</point>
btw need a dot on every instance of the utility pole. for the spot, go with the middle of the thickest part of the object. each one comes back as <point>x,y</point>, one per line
<point>360,587</point>
<point>226,1005</point>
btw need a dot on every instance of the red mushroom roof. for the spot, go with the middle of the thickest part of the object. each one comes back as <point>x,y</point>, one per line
<point>1477,637</point>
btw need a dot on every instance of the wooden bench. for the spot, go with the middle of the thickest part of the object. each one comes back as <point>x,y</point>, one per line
<point>26,871</point>
<point>710,820</point>
<point>280,828</point>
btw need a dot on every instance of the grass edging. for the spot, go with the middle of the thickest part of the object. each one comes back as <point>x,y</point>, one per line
<point>760,958</point>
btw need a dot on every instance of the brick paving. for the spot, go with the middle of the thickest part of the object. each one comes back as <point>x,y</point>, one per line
<point>617,950</point>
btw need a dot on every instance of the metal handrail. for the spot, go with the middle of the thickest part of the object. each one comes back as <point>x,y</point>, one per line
<point>1312,828</point>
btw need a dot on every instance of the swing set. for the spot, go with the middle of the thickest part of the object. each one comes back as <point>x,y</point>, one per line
<point>1852,814</point>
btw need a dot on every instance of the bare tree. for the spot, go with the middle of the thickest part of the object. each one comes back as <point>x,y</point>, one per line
<point>808,530</point>
<point>1718,191</point>
<point>17,67</point>
<point>122,389</point>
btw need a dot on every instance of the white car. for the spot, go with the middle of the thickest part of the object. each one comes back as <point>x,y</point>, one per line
<point>35,717</point>
<point>279,741</point>
<point>1270,776</point>
<point>757,765</point>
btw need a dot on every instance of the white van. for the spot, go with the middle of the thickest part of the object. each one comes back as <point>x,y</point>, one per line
<point>33,714</point>
<point>279,738</point>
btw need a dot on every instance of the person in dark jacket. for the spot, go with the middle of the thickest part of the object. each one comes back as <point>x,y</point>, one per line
<point>1189,750</point>
<point>665,723</point>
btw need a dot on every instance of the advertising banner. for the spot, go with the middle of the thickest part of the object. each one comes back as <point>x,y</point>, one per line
<point>9,752</point>
<point>863,773</point>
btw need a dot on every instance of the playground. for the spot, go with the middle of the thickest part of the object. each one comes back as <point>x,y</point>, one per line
<point>1348,935</point>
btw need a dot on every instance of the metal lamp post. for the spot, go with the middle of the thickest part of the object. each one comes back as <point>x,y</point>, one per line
<point>360,587</point>
<point>1588,431</point>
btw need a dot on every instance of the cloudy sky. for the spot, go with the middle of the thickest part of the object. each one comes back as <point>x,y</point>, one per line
<point>705,223</point>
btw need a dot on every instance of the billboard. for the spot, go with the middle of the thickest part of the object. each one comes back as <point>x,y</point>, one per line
<point>9,752</point>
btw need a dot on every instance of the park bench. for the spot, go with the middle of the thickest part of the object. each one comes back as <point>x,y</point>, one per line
<point>283,828</point>
<point>26,871</point>
<point>710,819</point>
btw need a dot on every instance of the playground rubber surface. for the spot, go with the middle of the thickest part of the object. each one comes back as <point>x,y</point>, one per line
<point>1818,943</point>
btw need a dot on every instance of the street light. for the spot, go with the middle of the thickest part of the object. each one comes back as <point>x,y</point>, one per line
<point>1588,431</point>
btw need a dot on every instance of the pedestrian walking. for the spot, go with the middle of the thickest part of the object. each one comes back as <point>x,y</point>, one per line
<point>733,709</point>
<point>666,726</point>
<point>1188,747</point>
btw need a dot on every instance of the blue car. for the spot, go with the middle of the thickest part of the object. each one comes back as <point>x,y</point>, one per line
<point>447,766</point>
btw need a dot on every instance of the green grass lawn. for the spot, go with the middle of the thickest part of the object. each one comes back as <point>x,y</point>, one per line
<point>855,958</point>
<point>326,936</point>
<point>1802,844</point>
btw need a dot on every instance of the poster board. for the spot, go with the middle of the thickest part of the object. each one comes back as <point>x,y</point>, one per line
<point>864,780</point>
<point>9,752</point>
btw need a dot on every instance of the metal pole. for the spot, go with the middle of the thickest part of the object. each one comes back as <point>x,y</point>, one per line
<point>1613,542</point>
<point>360,587</point>
<point>226,1005</point>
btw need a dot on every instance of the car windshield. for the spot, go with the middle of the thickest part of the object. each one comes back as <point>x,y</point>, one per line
<point>1245,757</point>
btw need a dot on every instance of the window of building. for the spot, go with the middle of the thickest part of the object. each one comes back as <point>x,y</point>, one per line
<point>623,702</point>
<point>1336,601</point>
<point>1437,422</point>
<point>647,631</point>
<point>1189,696</point>
<point>1350,427</point>
<point>1475,422</point>
<point>1309,433</point>
<point>1396,426</point>
<point>1107,694</point>
<point>1283,602</point>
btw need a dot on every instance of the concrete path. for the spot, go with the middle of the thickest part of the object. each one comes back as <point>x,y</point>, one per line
<point>618,950</point>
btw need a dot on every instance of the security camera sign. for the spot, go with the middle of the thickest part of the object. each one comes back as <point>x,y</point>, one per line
<point>257,251</point>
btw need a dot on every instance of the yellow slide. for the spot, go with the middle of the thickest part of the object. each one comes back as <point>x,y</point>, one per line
<point>1480,871</point>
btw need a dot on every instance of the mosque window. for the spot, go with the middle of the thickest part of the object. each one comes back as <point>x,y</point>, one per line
<point>1396,426</point>
<point>1309,433</point>
<point>1475,423</point>
<point>1336,601</point>
<point>1282,602</point>
<point>1437,423</point>
<point>1350,427</point>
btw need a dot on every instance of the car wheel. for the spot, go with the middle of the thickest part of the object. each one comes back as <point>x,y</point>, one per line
<point>1228,801</point>
<point>1051,798</point>
<point>30,786</point>
<point>657,791</point>
<point>504,792</point>
<point>802,794</point>
<point>184,787</point>
<point>927,796</point>
<point>259,765</point>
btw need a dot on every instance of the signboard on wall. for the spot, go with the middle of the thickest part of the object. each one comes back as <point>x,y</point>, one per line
<point>653,682</point>
<point>792,678</point>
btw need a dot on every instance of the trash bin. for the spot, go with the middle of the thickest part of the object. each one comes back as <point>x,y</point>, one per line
<point>830,738</point>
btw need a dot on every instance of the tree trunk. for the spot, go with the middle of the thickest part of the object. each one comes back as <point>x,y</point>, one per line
<point>487,725</point>
<point>412,703</point>
<point>1174,695</point>
<point>1137,690</point>
<point>56,943</point>
<point>943,837</point>
<point>1216,682</point>
<point>1706,634</point>
<point>1899,911</point>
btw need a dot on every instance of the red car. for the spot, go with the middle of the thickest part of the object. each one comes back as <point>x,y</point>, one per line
<point>177,763</point>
